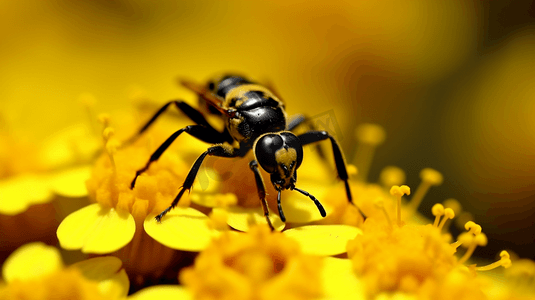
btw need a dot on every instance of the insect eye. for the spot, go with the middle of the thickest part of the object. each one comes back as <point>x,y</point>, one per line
<point>265,151</point>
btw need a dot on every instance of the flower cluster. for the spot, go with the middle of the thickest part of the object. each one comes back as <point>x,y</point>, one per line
<point>215,244</point>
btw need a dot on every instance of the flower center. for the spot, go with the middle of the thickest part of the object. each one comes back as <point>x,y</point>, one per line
<point>254,265</point>
<point>155,189</point>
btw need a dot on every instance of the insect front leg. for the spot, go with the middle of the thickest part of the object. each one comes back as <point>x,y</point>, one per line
<point>317,136</point>
<point>262,194</point>
<point>223,150</point>
<point>203,133</point>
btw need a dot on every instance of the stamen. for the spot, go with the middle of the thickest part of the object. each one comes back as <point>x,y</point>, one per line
<point>429,178</point>
<point>391,176</point>
<point>379,203</point>
<point>448,215</point>
<point>457,209</point>
<point>398,192</point>
<point>453,204</point>
<point>104,119</point>
<point>472,227</point>
<point>369,136</point>
<point>456,244</point>
<point>505,261</point>
<point>438,211</point>
<point>110,146</point>
<point>352,170</point>
<point>88,102</point>
<point>478,240</point>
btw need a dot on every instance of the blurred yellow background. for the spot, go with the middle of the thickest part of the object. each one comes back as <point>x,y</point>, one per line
<point>452,82</point>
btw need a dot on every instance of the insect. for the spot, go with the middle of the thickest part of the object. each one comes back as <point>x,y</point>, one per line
<point>255,120</point>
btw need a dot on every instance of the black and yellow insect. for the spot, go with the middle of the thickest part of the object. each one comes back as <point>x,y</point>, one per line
<point>255,118</point>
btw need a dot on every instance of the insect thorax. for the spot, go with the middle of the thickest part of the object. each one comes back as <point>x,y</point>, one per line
<point>258,111</point>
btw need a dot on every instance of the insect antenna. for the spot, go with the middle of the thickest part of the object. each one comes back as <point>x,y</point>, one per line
<point>316,201</point>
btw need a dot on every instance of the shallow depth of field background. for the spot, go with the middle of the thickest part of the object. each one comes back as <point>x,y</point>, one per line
<point>452,82</point>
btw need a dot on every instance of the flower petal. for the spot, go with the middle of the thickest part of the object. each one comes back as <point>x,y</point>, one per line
<point>213,199</point>
<point>339,280</point>
<point>31,261</point>
<point>182,228</point>
<point>162,292</point>
<point>71,182</point>
<point>107,271</point>
<point>324,240</point>
<point>20,192</point>
<point>242,219</point>
<point>96,229</point>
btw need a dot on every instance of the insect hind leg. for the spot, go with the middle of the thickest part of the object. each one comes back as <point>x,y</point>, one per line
<point>300,120</point>
<point>190,112</point>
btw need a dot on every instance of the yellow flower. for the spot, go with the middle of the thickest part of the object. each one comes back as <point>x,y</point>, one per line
<point>36,271</point>
<point>259,264</point>
<point>392,258</point>
<point>29,182</point>
<point>32,172</point>
<point>122,216</point>
<point>418,260</point>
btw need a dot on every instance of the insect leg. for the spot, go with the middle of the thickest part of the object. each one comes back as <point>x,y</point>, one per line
<point>295,121</point>
<point>205,134</point>
<point>192,113</point>
<point>262,193</point>
<point>217,150</point>
<point>316,136</point>
<point>301,120</point>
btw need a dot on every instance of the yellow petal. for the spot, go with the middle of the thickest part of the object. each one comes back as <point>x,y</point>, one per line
<point>162,292</point>
<point>339,280</point>
<point>241,218</point>
<point>20,192</point>
<point>31,261</point>
<point>96,229</point>
<point>71,182</point>
<point>324,240</point>
<point>107,271</point>
<point>214,199</point>
<point>115,287</point>
<point>182,228</point>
